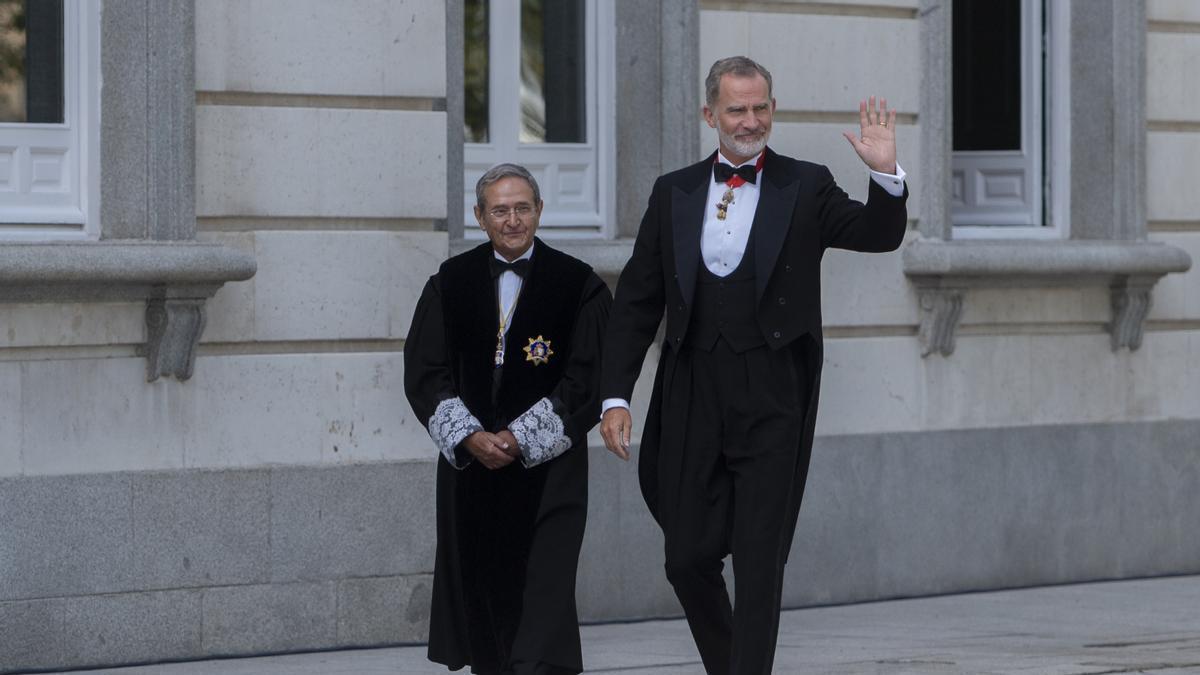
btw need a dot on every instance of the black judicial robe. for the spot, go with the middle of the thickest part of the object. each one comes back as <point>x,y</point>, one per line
<point>508,540</point>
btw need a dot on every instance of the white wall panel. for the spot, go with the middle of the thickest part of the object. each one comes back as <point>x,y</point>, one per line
<point>65,325</point>
<point>358,48</point>
<point>1173,10</point>
<point>1172,69</point>
<point>1171,192</point>
<point>320,162</point>
<point>820,62</point>
<point>235,411</point>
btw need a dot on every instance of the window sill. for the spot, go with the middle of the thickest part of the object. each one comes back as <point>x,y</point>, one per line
<point>174,278</point>
<point>943,270</point>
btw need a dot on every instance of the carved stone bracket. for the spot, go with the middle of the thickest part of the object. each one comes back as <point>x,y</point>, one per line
<point>1130,306</point>
<point>940,309</point>
<point>943,271</point>
<point>173,329</point>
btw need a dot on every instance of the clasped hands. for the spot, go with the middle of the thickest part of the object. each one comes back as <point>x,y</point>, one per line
<point>495,451</point>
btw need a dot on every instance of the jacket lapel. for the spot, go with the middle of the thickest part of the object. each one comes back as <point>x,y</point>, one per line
<point>772,218</point>
<point>687,222</point>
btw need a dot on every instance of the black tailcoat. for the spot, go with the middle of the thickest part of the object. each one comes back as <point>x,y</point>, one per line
<point>801,212</point>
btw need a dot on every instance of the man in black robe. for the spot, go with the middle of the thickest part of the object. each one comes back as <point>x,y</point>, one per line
<point>731,248</point>
<point>502,366</point>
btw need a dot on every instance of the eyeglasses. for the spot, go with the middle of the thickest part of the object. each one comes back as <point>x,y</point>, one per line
<point>503,212</point>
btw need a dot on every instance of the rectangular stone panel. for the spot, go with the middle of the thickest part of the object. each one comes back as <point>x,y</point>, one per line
<point>201,528</point>
<point>65,536</point>
<point>384,610</point>
<point>31,634</point>
<point>354,521</point>
<point>986,382</point>
<point>62,325</point>
<point>241,620</point>
<point>320,162</point>
<point>820,62</point>
<point>952,511</point>
<point>1078,378</point>
<point>359,48</point>
<point>1171,192</point>
<point>91,415</point>
<point>1173,10</point>
<point>341,285</point>
<point>878,374</point>
<point>1172,64</point>
<point>289,409</point>
<point>133,627</point>
<point>1165,376</point>
<point>236,411</point>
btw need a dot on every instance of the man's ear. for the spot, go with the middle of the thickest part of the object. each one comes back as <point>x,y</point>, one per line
<point>708,117</point>
<point>479,218</point>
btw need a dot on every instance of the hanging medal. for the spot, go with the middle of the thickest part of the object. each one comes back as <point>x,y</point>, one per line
<point>505,317</point>
<point>735,181</point>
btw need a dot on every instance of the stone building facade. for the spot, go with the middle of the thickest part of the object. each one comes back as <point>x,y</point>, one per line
<point>205,448</point>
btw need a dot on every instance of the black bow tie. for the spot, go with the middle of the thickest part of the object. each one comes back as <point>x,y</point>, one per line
<point>723,172</point>
<point>519,267</point>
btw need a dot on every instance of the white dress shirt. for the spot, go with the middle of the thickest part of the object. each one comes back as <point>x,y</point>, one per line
<point>723,242</point>
<point>507,291</point>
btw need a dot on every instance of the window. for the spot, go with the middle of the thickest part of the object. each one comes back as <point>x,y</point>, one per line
<point>1007,62</point>
<point>535,93</point>
<point>49,61</point>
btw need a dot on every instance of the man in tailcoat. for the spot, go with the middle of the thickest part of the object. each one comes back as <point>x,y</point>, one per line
<point>731,248</point>
<point>502,366</point>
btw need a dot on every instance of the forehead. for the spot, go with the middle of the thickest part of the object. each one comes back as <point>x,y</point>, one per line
<point>508,189</point>
<point>743,89</point>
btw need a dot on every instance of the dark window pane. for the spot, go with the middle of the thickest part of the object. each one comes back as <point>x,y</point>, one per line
<point>31,61</point>
<point>553,72</point>
<point>475,61</point>
<point>987,74</point>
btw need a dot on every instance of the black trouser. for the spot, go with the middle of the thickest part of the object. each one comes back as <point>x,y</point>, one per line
<point>728,465</point>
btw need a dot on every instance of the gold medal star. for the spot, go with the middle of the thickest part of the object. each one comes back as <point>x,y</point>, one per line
<point>538,350</point>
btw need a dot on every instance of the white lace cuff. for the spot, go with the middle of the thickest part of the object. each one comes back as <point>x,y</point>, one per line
<point>540,433</point>
<point>450,424</point>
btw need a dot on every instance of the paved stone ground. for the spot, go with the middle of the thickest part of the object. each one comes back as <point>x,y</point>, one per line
<point>1142,626</point>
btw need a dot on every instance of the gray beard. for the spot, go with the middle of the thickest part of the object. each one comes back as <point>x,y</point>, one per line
<point>743,149</point>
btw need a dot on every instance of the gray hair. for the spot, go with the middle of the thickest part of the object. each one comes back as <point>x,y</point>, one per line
<point>501,171</point>
<point>739,66</point>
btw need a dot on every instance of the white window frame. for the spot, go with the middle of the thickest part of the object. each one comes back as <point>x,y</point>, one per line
<point>1047,178</point>
<point>591,214</point>
<point>71,209</point>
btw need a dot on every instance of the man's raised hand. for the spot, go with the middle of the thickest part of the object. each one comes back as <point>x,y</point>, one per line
<point>876,142</point>
<point>616,427</point>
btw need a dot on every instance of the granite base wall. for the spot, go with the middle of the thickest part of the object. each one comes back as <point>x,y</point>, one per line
<point>123,568</point>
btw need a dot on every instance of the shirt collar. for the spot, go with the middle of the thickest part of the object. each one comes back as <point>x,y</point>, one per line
<point>524,256</point>
<point>725,160</point>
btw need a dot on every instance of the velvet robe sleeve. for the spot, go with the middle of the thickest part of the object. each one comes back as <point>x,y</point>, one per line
<point>562,420</point>
<point>429,383</point>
